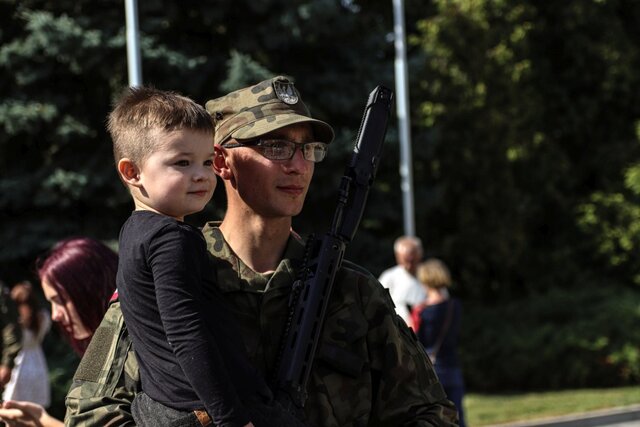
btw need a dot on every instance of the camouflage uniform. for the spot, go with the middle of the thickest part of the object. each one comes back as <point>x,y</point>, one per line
<point>11,332</point>
<point>106,379</point>
<point>370,370</point>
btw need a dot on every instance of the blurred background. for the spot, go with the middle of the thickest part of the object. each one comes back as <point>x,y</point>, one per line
<point>525,128</point>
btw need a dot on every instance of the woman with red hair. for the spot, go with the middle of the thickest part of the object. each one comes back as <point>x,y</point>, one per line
<point>78,278</point>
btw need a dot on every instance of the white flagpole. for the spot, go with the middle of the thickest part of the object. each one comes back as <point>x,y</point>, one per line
<point>134,63</point>
<point>404,122</point>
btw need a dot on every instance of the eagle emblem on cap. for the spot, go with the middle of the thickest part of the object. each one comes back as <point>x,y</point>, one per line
<point>286,92</point>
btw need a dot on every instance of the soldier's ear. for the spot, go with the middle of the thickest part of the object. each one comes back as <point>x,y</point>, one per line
<point>221,162</point>
<point>129,172</point>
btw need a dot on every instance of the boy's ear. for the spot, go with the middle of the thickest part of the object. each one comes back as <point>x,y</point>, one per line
<point>220,162</point>
<point>129,172</point>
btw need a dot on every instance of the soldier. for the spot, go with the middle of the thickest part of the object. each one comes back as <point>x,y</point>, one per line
<point>370,370</point>
<point>11,335</point>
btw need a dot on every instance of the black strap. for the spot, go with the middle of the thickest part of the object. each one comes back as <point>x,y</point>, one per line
<point>443,331</point>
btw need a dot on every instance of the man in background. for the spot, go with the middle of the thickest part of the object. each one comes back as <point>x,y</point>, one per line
<point>405,289</point>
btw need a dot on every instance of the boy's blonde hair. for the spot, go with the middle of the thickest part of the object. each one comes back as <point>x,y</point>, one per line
<point>434,274</point>
<point>141,112</point>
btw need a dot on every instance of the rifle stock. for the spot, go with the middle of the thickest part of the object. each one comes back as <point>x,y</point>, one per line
<point>310,293</point>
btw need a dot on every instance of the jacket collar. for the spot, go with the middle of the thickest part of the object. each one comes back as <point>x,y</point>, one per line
<point>234,275</point>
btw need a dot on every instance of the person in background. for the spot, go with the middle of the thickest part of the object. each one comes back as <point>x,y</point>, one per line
<point>370,369</point>
<point>436,321</point>
<point>30,376</point>
<point>11,335</point>
<point>406,291</point>
<point>78,277</point>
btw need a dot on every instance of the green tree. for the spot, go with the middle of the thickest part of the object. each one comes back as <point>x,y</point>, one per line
<point>529,110</point>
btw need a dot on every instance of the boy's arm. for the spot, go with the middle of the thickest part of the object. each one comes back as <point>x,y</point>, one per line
<point>180,264</point>
<point>107,378</point>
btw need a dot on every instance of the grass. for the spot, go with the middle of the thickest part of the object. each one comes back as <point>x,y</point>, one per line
<point>488,409</point>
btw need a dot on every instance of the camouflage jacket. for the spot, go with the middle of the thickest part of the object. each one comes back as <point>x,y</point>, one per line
<point>11,331</point>
<point>370,369</point>
<point>106,379</point>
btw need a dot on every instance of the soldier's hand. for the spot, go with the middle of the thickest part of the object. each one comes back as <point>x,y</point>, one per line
<point>26,414</point>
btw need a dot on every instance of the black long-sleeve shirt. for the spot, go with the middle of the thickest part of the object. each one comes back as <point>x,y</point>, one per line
<point>188,346</point>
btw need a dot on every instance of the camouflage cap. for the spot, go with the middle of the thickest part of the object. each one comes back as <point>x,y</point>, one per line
<point>257,110</point>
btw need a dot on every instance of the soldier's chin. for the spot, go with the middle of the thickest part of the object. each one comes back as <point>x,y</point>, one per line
<point>297,211</point>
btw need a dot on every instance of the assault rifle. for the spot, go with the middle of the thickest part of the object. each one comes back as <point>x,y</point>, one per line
<point>310,293</point>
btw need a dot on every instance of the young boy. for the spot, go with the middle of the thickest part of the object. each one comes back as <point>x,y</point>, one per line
<point>189,350</point>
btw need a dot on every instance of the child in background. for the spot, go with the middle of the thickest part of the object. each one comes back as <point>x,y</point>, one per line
<point>190,352</point>
<point>30,375</point>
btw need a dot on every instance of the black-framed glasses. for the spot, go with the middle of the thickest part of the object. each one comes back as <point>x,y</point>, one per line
<point>281,149</point>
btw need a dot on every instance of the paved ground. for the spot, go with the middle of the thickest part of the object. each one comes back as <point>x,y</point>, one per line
<point>628,416</point>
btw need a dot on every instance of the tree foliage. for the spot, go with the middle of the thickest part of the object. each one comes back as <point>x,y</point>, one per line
<point>530,112</point>
<point>560,339</point>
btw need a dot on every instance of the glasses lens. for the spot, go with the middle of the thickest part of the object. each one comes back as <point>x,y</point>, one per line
<point>281,149</point>
<point>277,149</point>
<point>314,151</point>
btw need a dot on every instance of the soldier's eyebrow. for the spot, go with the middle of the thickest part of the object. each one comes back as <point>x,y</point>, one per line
<point>275,134</point>
<point>283,134</point>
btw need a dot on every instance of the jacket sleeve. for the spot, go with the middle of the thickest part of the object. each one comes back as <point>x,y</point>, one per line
<point>370,369</point>
<point>107,379</point>
<point>407,389</point>
<point>409,392</point>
